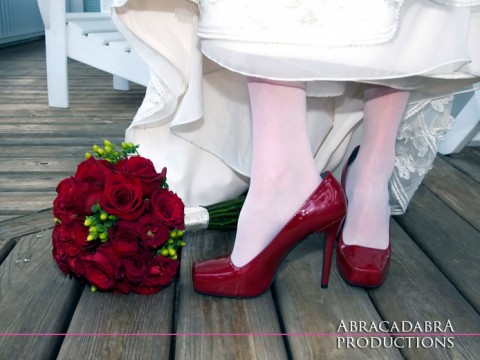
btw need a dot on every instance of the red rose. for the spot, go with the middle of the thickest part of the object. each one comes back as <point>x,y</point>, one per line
<point>144,290</point>
<point>152,231</point>
<point>64,199</point>
<point>68,241</point>
<point>93,195</point>
<point>65,215</point>
<point>60,250</point>
<point>124,241</point>
<point>123,197</point>
<point>169,208</point>
<point>101,268</point>
<point>95,171</point>
<point>70,196</point>
<point>161,271</point>
<point>135,268</point>
<point>144,170</point>
<point>73,237</point>
<point>121,286</point>
<point>75,196</point>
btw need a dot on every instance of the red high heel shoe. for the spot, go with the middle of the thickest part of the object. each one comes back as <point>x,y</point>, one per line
<point>359,265</point>
<point>323,211</point>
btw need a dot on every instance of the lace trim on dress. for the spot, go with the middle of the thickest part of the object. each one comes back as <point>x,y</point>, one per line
<point>420,132</point>
<point>457,3</point>
<point>341,22</point>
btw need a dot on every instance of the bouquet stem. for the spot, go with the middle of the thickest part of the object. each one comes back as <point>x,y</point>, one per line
<point>221,216</point>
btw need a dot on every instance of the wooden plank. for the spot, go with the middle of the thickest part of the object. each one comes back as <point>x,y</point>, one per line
<point>88,86</point>
<point>77,129</point>
<point>60,165</point>
<point>40,153</point>
<point>58,140</point>
<point>448,240</point>
<point>23,225</point>
<point>65,120</point>
<point>5,247</point>
<point>467,161</point>
<point>98,313</point>
<point>107,99</point>
<point>16,93</point>
<point>417,291</point>
<point>307,308</point>
<point>15,81</point>
<point>25,182</point>
<point>35,298</point>
<point>457,190</point>
<point>71,114</point>
<point>39,82</point>
<point>103,91</point>
<point>199,313</point>
<point>45,151</point>
<point>98,85</point>
<point>83,87</point>
<point>37,70</point>
<point>8,217</point>
<point>75,110</point>
<point>20,203</point>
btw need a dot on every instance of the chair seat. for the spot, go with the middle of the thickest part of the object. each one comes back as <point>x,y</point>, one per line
<point>86,15</point>
<point>88,26</point>
<point>105,38</point>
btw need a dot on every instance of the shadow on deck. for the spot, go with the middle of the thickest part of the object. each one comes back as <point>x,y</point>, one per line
<point>434,271</point>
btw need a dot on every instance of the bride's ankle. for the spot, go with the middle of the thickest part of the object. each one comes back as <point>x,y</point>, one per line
<point>367,185</point>
<point>264,214</point>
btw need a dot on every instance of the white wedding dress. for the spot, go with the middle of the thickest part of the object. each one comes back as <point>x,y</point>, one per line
<point>195,118</point>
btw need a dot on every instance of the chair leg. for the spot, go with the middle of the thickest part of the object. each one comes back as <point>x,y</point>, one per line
<point>120,83</point>
<point>56,50</point>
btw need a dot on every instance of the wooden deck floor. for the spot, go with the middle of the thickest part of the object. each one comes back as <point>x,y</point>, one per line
<point>434,274</point>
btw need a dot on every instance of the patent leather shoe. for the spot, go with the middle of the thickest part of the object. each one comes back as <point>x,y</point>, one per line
<point>360,265</point>
<point>323,211</point>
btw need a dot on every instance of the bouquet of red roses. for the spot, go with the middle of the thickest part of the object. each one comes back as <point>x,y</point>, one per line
<point>118,226</point>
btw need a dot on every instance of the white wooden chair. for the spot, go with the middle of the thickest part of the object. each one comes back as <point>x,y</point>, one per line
<point>466,129</point>
<point>90,38</point>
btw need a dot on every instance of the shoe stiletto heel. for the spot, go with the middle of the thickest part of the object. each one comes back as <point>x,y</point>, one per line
<point>359,265</point>
<point>330,237</point>
<point>323,211</point>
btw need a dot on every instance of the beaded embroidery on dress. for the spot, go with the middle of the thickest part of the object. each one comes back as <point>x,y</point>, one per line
<point>457,3</point>
<point>300,21</point>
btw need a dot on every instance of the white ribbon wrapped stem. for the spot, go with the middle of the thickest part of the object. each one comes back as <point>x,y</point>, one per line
<point>196,218</point>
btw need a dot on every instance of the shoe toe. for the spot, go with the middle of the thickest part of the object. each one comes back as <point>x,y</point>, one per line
<point>363,266</point>
<point>208,275</point>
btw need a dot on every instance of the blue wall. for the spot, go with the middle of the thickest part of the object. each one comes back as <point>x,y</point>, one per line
<point>19,20</point>
<point>91,5</point>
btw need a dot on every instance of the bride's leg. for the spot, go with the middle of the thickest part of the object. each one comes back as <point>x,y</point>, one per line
<point>283,172</point>
<point>367,222</point>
